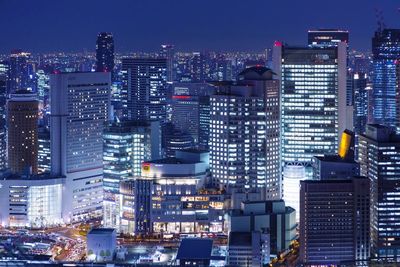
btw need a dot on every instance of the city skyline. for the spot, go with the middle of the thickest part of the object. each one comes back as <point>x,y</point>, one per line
<point>143,27</point>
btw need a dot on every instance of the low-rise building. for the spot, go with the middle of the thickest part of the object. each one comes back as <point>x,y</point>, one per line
<point>172,191</point>
<point>101,244</point>
<point>30,200</point>
<point>271,217</point>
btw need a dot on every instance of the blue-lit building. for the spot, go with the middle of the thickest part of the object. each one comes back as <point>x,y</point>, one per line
<point>127,145</point>
<point>379,153</point>
<point>18,73</point>
<point>386,52</point>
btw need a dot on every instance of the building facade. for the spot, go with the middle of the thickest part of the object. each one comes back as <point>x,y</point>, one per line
<point>31,201</point>
<point>313,100</point>
<point>80,107</point>
<point>44,156</point>
<point>105,52</point>
<point>334,221</point>
<point>144,88</point>
<point>379,151</point>
<point>127,145</point>
<point>245,133</point>
<point>22,122</point>
<point>386,52</point>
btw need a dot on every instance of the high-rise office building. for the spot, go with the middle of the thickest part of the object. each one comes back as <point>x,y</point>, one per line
<point>313,99</point>
<point>334,222</point>
<point>105,52</point>
<point>126,146</point>
<point>379,153</point>
<point>386,52</point>
<point>245,131</point>
<point>168,52</point>
<point>80,106</point>
<point>18,74</point>
<point>22,122</point>
<point>362,102</point>
<point>144,88</point>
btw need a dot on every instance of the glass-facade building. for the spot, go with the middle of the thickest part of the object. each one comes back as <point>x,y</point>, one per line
<point>379,154</point>
<point>313,100</point>
<point>386,53</point>
<point>126,146</point>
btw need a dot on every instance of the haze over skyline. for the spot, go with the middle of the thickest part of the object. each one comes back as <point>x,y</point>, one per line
<point>229,25</point>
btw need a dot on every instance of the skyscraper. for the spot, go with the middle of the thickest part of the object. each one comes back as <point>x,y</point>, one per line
<point>168,52</point>
<point>18,75</point>
<point>244,132</point>
<point>334,222</point>
<point>379,153</point>
<point>105,52</point>
<point>80,106</point>
<point>386,52</point>
<point>313,99</point>
<point>22,121</point>
<point>144,88</point>
<point>3,107</point>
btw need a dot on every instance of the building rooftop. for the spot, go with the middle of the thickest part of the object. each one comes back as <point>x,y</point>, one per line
<point>195,249</point>
<point>8,175</point>
<point>240,239</point>
<point>171,161</point>
<point>334,158</point>
<point>256,73</point>
<point>101,231</point>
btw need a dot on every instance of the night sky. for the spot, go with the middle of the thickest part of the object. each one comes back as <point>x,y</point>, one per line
<point>142,25</point>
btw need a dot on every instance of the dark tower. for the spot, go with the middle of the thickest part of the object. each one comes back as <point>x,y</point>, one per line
<point>22,119</point>
<point>105,53</point>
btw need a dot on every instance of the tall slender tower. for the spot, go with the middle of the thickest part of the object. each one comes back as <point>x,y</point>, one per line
<point>105,52</point>
<point>386,53</point>
<point>18,77</point>
<point>22,120</point>
<point>168,52</point>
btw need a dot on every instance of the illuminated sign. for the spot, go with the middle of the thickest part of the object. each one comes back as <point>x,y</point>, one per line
<point>146,167</point>
<point>345,143</point>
